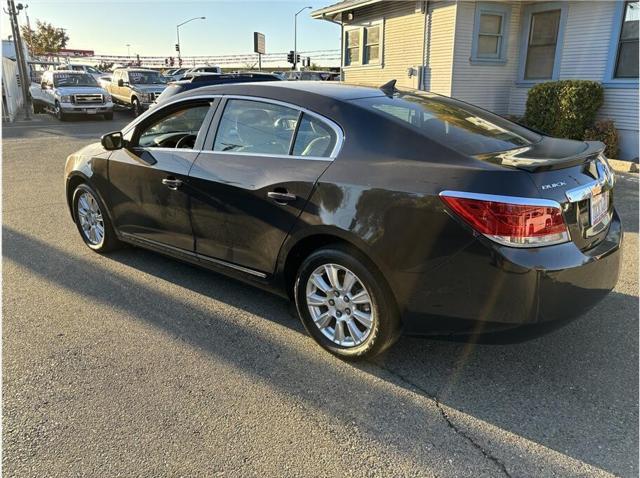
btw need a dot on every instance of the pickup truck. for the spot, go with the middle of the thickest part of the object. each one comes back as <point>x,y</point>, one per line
<point>136,88</point>
<point>67,92</point>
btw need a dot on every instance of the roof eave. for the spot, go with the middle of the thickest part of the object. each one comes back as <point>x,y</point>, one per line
<point>323,13</point>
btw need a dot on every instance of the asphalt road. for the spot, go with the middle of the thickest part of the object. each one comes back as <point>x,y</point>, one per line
<point>132,364</point>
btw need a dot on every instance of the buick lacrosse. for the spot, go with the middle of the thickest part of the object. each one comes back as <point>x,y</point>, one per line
<point>377,210</point>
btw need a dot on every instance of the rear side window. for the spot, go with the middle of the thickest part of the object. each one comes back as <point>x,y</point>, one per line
<point>314,138</point>
<point>462,127</point>
<point>254,127</point>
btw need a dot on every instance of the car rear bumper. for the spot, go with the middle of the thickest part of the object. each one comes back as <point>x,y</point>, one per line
<point>487,287</point>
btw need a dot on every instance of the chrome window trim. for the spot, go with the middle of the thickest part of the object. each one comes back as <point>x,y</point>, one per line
<point>265,155</point>
<point>504,199</point>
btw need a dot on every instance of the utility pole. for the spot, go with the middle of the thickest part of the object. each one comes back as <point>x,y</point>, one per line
<point>295,37</point>
<point>25,81</point>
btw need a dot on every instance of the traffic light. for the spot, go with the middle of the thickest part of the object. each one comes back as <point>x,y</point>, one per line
<point>177,47</point>
<point>297,58</point>
<point>171,61</point>
<point>308,61</point>
<point>179,62</point>
<point>290,57</point>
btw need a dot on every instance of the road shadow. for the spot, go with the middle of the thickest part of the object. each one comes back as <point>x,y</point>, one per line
<point>513,387</point>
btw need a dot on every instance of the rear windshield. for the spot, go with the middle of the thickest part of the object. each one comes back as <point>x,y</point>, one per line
<point>463,127</point>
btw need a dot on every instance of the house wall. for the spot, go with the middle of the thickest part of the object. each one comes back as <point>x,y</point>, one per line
<point>485,85</point>
<point>402,48</point>
<point>584,55</point>
<point>439,51</point>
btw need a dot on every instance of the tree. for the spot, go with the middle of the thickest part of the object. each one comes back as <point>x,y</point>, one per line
<point>45,39</point>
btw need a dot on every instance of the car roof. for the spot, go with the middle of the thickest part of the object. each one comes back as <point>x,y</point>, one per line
<point>75,72</point>
<point>135,69</point>
<point>334,90</point>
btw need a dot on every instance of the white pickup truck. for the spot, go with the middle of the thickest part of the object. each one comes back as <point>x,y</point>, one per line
<point>66,93</point>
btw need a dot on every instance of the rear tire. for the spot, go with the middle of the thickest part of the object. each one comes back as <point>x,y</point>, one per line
<point>352,315</point>
<point>92,220</point>
<point>37,109</point>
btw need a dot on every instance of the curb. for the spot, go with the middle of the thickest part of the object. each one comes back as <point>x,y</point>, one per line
<point>623,166</point>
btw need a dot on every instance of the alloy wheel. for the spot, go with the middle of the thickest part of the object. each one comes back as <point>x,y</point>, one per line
<point>340,305</point>
<point>90,217</point>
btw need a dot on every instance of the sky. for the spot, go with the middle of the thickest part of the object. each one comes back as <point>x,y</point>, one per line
<point>150,26</point>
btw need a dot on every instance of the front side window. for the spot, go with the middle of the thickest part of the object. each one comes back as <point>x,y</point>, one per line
<point>372,44</point>
<point>177,129</point>
<point>352,41</point>
<point>314,138</point>
<point>541,46</point>
<point>255,127</point>
<point>627,54</point>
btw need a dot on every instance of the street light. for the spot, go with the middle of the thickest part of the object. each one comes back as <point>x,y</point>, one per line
<point>295,37</point>
<point>128,45</point>
<point>178,32</point>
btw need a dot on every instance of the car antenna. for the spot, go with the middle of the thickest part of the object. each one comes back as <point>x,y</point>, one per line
<point>389,88</point>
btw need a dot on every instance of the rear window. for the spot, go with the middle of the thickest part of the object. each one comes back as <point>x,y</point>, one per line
<point>462,127</point>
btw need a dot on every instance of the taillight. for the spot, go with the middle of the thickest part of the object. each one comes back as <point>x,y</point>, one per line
<point>512,221</point>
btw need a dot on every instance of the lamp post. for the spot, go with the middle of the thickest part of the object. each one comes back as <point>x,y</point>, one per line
<point>295,37</point>
<point>178,33</point>
<point>128,45</point>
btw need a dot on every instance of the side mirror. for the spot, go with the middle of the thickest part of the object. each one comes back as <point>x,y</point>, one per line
<point>120,82</point>
<point>43,85</point>
<point>111,141</point>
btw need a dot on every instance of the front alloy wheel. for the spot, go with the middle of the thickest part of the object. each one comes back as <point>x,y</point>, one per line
<point>345,303</point>
<point>92,220</point>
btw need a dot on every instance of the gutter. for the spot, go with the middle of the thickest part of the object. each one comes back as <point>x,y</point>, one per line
<point>324,17</point>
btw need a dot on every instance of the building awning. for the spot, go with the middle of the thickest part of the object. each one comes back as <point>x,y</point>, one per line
<point>340,7</point>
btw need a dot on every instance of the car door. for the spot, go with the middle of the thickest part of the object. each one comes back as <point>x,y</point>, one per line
<point>149,196</point>
<point>252,180</point>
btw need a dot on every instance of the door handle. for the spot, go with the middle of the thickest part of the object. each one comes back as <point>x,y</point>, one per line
<point>172,183</point>
<point>281,197</point>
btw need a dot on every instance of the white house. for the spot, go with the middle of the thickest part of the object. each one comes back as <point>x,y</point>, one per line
<point>491,53</point>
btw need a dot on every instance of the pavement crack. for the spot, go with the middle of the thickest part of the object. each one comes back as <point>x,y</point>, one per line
<point>487,454</point>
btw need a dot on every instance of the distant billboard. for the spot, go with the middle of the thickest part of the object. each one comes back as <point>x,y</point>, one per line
<point>258,43</point>
<point>69,52</point>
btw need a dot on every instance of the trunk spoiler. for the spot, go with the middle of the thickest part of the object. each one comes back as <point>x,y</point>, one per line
<point>548,154</point>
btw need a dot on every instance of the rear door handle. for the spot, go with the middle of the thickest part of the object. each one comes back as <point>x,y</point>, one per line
<point>281,197</point>
<point>172,183</point>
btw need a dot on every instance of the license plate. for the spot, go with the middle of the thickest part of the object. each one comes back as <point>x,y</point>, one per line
<point>599,207</point>
<point>91,112</point>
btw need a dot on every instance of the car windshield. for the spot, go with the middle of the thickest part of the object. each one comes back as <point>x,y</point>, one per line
<point>463,127</point>
<point>73,79</point>
<point>145,78</point>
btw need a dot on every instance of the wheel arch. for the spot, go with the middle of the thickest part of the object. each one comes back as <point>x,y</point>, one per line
<point>73,181</point>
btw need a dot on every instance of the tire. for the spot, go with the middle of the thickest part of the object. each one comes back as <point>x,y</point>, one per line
<point>108,116</point>
<point>37,109</point>
<point>354,339</point>
<point>85,198</point>
<point>136,107</point>
<point>58,112</point>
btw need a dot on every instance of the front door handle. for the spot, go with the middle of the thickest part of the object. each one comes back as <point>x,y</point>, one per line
<point>172,183</point>
<point>281,197</point>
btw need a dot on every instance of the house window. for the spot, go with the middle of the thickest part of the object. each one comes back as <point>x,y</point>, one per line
<point>352,53</point>
<point>541,46</point>
<point>490,33</point>
<point>627,54</point>
<point>372,44</point>
<point>363,44</point>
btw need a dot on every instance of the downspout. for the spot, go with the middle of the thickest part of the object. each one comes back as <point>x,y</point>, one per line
<point>324,17</point>
<point>422,85</point>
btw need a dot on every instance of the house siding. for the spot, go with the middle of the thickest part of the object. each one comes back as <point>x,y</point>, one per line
<point>487,86</point>
<point>439,40</point>
<point>402,47</point>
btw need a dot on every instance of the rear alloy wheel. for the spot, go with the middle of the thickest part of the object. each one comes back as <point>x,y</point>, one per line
<point>344,305</point>
<point>91,220</point>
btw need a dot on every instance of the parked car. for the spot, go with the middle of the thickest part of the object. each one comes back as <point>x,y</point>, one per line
<point>90,70</point>
<point>202,69</point>
<point>208,79</point>
<point>175,75</point>
<point>66,93</point>
<point>136,88</point>
<point>375,210</point>
<point>104,81</point>
<point>311,75</point>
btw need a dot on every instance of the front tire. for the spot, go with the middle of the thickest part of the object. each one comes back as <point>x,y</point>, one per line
<point>92,220</point>
<point>59,113</point>
<point>345,303</point>
<point>136,107</point>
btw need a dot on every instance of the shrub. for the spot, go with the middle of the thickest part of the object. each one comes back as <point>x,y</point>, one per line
<point>565,108</point>
<point>606,132</point>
